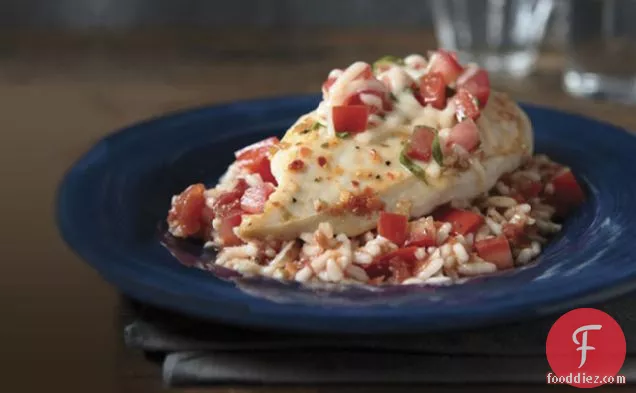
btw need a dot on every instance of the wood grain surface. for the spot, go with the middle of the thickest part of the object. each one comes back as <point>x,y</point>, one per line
<point>60,94</point>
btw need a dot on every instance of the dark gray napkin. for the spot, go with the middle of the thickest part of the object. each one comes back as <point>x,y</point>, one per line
<point>199,352</point>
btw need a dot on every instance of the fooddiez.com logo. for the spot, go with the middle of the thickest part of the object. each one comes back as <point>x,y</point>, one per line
<point>585,348</point>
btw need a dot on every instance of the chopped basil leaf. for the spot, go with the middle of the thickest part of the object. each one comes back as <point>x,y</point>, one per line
<point>450,92</point>
<point>388,60</point>
<point>316,126</point>
<point>416,170</point>
<point>324,145</point>
<point>437,150</point>
<point>342,135</point>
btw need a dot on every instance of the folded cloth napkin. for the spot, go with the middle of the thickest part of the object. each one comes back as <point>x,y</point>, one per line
<point>204,353</point>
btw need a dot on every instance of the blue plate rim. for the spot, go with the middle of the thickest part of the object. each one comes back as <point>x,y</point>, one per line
<point>278,314</point>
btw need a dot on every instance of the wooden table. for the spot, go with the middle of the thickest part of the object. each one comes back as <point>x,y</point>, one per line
<point>60,94</point>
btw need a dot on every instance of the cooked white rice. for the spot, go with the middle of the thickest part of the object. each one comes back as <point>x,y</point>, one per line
<point>323,256</point>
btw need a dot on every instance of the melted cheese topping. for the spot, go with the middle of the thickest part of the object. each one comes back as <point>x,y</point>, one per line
<point>333,170</point>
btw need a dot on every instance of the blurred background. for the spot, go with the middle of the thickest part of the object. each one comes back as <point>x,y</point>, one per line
<point>83,15</point>
<point>505,36</point>
<point>72,71</point>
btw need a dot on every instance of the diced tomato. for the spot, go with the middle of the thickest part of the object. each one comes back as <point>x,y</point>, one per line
<point>230,217</point>
<point>355,100</point>
<point>254,198</point>
<point>422,234</point>
<point>352,118</point>
<point>186,210</point>
<point>381,264</point>
<point>230,196</point>
<point>495,250</point>
<point>400,270</point>
<point>567,192</point>
<point>433,89</point>
<point>466,105</point>
<point>464,134</point>
<point>255,158</point>
<point>405,253</point>
<point>476,81</point>
<point>446,63</point>
<point>393,227</point>
<point>256,149</point>
<point>420,144</point>
<point>421,239</point>
<point>262,166</point>
<point>463,221</point>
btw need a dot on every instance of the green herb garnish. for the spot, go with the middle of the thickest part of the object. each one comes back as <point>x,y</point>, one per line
<point>343,135</point>
<point>387,60</point>
<point>437,150</point>
<point>393,97</point>
<point>416,170</point>
<point>324,145</point>
<point>313,127</point>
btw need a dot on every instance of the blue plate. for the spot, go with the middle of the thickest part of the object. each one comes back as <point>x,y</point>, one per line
<point>113,201</point>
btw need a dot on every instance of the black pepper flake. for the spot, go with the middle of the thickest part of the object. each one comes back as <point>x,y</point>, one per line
<point>294,200</point>
<point>318,179</point>
<point>378,177</point>
<point>305,131</point>
<point>358,147</point>
<point>388,163</point>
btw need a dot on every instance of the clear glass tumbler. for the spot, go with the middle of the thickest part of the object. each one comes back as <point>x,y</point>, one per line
<point>501,35</point>
<point>601,53</point>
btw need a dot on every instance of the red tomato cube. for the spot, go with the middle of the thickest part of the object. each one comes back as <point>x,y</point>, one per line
<point>466,105</point>
<point>476,81</point>
<point>420,144</point>
<point>433,90</point>
<point>351,118</point>
<point>393,227</point>
<point>445,63</point>
<point>495,250</point>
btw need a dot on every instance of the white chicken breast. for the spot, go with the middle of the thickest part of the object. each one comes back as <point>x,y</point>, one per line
<point>346,180</point>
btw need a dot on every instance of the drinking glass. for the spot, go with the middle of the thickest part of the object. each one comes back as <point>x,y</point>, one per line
<point>501,35</point>
<point>601,49</point>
